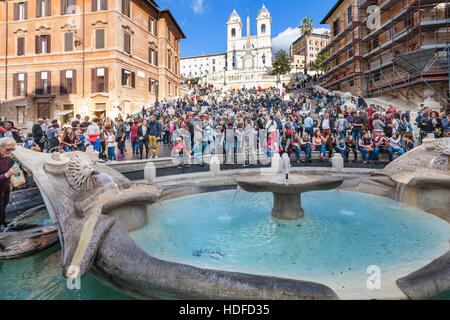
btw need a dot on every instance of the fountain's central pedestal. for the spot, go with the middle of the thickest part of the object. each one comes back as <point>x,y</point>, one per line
<point>287,206</point>
<point>287,193</point>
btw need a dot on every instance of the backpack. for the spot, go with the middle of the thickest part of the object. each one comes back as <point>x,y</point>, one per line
<point>402,128</point>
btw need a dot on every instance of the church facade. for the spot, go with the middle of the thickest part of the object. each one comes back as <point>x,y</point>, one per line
<point>259,46</point>
<point>247,61</point>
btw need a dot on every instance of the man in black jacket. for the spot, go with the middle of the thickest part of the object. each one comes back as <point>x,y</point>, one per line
<point>38,133</point>
<point>143,138</point>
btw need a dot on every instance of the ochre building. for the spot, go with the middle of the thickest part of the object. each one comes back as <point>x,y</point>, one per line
<point>60,58</point>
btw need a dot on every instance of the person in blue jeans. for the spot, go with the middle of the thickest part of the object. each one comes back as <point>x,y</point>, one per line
<point>365,145</point>
<point>382,144</point>
<point>305,145</point>
<point>396,144</point>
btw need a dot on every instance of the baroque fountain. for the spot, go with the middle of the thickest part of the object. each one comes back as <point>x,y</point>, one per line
<point>199,243</point>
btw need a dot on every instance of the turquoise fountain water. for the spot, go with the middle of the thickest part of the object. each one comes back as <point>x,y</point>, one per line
<point>333,244</point>
<point>40,277</point>
<point>342,235</point>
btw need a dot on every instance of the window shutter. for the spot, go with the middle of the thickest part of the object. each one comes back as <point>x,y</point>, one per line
<point>156,58</point>
<point>38,9</point>
<point>37,44</point>
<point>123,6</point>
<point>25,84</point>
<point>94,5</point>
<point>149,55</point>
<point>62,82</point>
<point>93,78</point>
<point>106,80</point>
<point>16,11</point>
<point>48,43</point>
<point>155,30</point>
<point>63,7</point>
<point>49,82</point>
<point>37,83</point>
<point>68,41</point>
<point>15,77</point>
<point>74,81</point>
<point>100,39</point>
<point>25,10</point>
<point>48,7</point>
<point>123,77</point>
<point>20,46</point>
<point>133,80</point>
<point>104,4</point>
<point>127,42</point>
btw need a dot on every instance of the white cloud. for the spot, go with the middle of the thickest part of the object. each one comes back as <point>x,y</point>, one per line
<point>284,39</point>
<point>197,6</point>
<point>321,30</point>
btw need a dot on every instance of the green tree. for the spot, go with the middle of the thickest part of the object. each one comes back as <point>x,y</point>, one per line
<point>321,57</point>
<point>306,29</point>
<point>281,64</point>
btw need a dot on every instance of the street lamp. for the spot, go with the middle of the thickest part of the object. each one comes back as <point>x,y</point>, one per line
<point>224,78</point>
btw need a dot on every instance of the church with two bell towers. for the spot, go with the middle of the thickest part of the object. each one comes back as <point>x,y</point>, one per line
<point>259,46</point>
<point>247,61</point>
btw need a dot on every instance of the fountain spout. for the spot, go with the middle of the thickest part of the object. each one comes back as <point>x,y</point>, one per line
<point>285,165</point>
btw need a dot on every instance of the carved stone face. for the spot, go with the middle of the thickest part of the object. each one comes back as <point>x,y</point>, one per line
<point>80,172</point>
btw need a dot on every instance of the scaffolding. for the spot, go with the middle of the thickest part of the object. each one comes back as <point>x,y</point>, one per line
<point>415,50</point>
<point>345,49</point>
<point>410,48</point>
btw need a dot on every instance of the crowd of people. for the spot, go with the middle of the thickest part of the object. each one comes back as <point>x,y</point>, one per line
<point>308,121</point>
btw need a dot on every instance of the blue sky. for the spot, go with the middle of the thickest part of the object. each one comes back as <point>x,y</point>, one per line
<point>204,21</point>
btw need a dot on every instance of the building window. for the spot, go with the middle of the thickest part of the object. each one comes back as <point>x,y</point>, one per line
<point>152,26</point>
<point>98,5</point>
<point>99,80</point>
<point>43,83</point>
<point>100,39</point>
<point>152,85</point>
<point>19,84</point>
<point>128,78</point>
<point>170,87</point>
<point>42,44</point>
<point>126,7</point>
<point>127,43</point>
<point>20,11</point>
<point>349,14</point>
<point>233,33</point>
<point>20,46</point>
<point>350,52</point>
<point>68,41</point>
<point>68,7</point>
<point>43,8</point>
<point>168,33</point>
<point>169,61</point>
<point>263,28</point>
<point>68,82</point>
<point>152,57</point>
<point>336,27</point>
